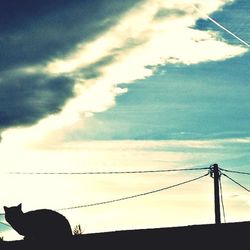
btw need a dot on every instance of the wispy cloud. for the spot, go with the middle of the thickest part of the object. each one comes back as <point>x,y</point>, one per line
<point>122,156</point>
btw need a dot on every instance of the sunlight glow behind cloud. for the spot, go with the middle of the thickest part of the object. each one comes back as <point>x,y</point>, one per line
<point>167,208</point>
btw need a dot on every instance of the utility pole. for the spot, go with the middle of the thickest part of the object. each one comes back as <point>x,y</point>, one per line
<point>215,173</point>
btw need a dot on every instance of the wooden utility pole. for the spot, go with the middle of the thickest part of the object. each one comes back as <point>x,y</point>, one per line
<point>215,173</point>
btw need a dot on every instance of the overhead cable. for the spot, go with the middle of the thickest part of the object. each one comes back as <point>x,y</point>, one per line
<point>134,196</point>
<point>5,224</point>
<point>110,172</point>
<point>221,26</point>
<point>235,172</point>
<point>236,182</point>
<point>222,201</point>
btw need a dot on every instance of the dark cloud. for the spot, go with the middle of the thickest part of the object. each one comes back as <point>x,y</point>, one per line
<point>30,98</point>
<point>34,32</point>
<point>94,70</point>
<point>129,44</point>
<point>165,13</point>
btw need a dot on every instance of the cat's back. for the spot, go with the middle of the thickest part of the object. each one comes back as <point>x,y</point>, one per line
<point>48,221</point>
<point>44,213</point>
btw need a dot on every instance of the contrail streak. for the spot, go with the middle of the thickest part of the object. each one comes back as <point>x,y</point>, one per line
<point>222,27</point>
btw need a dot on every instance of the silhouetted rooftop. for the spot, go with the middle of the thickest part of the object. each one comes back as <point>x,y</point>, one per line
<point>224,236</point>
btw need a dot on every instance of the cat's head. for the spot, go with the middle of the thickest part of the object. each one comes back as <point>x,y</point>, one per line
<point>13,212</point>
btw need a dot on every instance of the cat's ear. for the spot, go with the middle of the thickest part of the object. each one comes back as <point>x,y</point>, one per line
<point>5,209</point>
<point>19,206</point>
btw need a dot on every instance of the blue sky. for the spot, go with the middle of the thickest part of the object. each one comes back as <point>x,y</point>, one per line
<point>202,101</point>
<point>124,85</point>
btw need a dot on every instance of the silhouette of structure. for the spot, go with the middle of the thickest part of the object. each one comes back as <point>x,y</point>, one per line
<point>215,173</point>
<point>215,236</point>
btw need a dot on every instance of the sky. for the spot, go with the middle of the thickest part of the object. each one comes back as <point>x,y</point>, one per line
<point>101,85</point>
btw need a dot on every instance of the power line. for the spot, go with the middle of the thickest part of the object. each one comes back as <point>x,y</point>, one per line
<point>236,183</point>
<point>134,196</point>
<point>5,224</point>
<point>110,172</point>
<point>222,202</point>
<point>235,172</point>
<point>221,26</point>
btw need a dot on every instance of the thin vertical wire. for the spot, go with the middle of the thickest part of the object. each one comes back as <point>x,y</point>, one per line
<point>222,203</point>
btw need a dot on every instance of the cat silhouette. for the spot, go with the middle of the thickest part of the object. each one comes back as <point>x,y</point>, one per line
<point>39,224</point>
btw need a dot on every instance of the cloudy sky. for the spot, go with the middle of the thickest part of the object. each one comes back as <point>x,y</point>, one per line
<point>121,86</point>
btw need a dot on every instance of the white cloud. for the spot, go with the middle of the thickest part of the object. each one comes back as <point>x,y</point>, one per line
<point>154,33</point>
<point>245,140</point>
